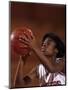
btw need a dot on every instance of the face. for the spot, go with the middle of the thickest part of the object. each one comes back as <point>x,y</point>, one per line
<point>48,47</point>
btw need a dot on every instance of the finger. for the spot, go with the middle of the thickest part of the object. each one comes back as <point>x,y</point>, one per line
<point>34,38</point>
<point>23,41</point>
<point>29,36</point>
<point>24,38</point>
<point>31,33</point>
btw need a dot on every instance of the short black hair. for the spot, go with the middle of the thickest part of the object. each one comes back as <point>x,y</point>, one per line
<point>59,43</point>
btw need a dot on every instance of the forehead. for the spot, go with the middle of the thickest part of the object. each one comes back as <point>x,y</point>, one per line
<point>48,40</point>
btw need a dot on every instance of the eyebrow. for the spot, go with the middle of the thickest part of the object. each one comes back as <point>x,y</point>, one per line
<point>48,40</point>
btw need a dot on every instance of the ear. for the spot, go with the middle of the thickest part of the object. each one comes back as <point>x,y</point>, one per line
<point>56,50</point>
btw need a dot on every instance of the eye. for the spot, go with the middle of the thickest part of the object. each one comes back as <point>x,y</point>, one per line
<point>44,44</point>
<point>48,43</point>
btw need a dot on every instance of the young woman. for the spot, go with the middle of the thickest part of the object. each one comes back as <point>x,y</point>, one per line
<point>51,71</point>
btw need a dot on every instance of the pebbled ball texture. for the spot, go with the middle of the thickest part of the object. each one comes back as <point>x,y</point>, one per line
<point>20,47</point>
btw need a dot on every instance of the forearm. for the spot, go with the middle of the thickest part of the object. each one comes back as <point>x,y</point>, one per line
<point>51,65</point>
<point>47,63</point>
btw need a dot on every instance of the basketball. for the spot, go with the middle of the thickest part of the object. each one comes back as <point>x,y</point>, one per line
<point>18,46</point>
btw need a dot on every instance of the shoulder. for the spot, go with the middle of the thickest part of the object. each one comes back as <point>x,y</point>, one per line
<point>61,63</point>
<point>41,70</point>
<point>58,60</point>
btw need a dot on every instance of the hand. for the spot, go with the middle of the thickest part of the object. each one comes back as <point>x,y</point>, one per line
<point>30,41</point>
<point>33,43</point>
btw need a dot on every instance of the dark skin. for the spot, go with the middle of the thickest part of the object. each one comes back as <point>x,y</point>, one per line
<point>47,54</point>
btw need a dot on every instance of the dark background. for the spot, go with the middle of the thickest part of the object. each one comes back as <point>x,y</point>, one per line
<point>41,18</point>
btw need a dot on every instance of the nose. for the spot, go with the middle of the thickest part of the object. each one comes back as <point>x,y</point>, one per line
<point>44,45</point>
<point>43,48</point>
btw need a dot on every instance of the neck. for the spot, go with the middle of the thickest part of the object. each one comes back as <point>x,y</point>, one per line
<point>51,57</point>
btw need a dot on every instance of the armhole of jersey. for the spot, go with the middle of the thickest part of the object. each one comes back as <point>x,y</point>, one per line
<point>59,59</point>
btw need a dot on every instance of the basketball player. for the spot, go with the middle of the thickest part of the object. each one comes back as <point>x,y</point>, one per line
<point>51,71</point>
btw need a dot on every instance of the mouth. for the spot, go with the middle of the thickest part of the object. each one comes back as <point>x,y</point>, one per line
<point>43,51</point>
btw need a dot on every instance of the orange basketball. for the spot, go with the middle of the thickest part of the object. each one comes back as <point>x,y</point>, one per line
<point>18,46</point>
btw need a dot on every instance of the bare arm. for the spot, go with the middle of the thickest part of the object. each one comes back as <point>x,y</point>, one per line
<point>50,64</point>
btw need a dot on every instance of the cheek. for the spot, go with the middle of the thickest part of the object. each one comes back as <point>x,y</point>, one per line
<point>51,50</point>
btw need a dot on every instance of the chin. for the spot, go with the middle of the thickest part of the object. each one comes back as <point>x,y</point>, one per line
<point>47,54</point>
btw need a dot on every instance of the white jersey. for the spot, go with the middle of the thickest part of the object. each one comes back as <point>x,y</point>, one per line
<point>50,78</point>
